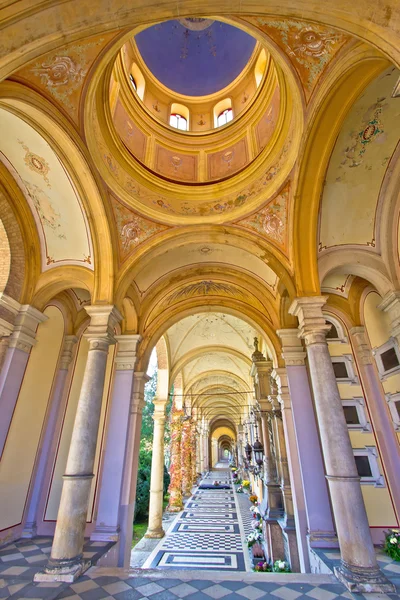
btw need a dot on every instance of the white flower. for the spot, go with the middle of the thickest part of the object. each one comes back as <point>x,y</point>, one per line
<point>255,524</point>
<point>281,564</point>
<point>393,540</point>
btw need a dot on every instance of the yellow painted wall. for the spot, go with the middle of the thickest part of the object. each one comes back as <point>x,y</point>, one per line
<point>22,442</point>
<point>377,500</point>
<point>53,500</point>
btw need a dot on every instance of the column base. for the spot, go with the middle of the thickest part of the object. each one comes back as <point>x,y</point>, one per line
<point>361,580</point>
<point>66,571</point>
<point>322,539</point>
<point>154,533</point>
<point>104,533</point>
<point>174,508</point>
<point>29,530</point>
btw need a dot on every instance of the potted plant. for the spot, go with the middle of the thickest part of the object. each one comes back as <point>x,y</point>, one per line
<point>392,543</point>
<point>281,566</point>
<point>263,567</point>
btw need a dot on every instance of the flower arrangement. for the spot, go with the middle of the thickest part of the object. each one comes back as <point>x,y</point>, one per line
<point>281,566</point>
<point>239,489</point>
<point>253,498</point>
<point>233,468</point>
<point>238,481</point>
<point>256,524</point>
<point>246,483</point>
<point>392,543</point>
<point>256,512</point>
<point>253,538</point>
<point>263,567</point>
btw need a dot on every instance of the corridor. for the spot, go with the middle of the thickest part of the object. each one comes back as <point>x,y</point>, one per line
<point>208,534</point>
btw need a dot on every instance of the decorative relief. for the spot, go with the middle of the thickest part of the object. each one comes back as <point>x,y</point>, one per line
<point>62,70</point>
<point>266,125</point>
<point>271,221</point>
<point>132,229</point>
<point>36,163</point>
<point>228,161</point>
<point>182,167</point>
<point>62,73</point>
<point>206,288</point>
<point>310,46</point>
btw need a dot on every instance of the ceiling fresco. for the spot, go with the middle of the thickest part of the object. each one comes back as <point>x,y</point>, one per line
<point>61,75</point>
<point>195,57</point>
<point>272,220</point>
<point>309,47</point>
<point>132,228</point>
<point>358,164</point>
<point>50,192</point>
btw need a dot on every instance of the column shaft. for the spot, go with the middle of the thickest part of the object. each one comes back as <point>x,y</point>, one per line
<point>321,530</point>
<point>155,529</point>
<point>359,570</point>
<point>381,419</point>
<point>66,559</point>
<point>52,416</point>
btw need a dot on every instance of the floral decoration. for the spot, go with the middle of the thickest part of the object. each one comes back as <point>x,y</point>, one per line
<point>281,566</point>
<point>263,567</point>
<point>392,544</point>
<point>175,469</point>
<point>254,538</point>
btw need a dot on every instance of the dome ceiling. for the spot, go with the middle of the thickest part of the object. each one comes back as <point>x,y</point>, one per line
<point>195,57</point>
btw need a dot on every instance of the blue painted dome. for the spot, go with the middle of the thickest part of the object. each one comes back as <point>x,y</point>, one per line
<point>195,57</point>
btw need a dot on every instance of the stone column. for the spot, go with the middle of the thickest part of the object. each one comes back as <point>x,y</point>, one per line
<point>66,559</point>
<point>206,447</point>
<point>108,509</point>
<point>16,358</point>
<point>321,530</point>
<point>359,570</point>
<point>381,419</point>
<point>299,552</point>
<point>130,470</point>
<point>261,373</point>
<point>155,529</point>
<point>58,393</point>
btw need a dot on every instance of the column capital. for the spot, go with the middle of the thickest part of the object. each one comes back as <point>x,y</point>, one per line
<point>26,323</point>
<point>67,351</point>
<point>293,352</point>
<point>281,378</point>
<point>139,381</point>
<point>126,355</point>
<point>362,349</point>
<point>312,323</point>
<point>103,319</point>
<point>391,305</point>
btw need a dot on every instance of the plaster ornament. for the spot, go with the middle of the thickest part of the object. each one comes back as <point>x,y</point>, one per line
<point>196,23</point>
<point>36,163</point>
<point>310,42</point>
<point>130,233</point>
<point>61,71</point>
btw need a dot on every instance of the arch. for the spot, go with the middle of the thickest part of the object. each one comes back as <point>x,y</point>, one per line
<point>69,21</point>
<point>163,372</point>
<point>139,80</point>
<point>259,69</point>
<point>44,118</point>
<point>182,111</point>
<point>356,261</point>
<point>59,279</point>
<point>363,66</point>
<point>22,238</point>
<point>223,106</point>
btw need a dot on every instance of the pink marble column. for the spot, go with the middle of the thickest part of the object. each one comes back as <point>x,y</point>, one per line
<point>320,526</point>
<point>130,471</point>
<point>66,559</point>
<point>16,358</point>
<point>107,518</point>
<point>382,423</point>
<point>58,393</point>
<point>296,483</point>
<point>359,570</point>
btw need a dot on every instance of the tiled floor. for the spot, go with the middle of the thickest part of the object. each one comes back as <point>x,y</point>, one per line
<point>207,534</point>
<point>200,559</point>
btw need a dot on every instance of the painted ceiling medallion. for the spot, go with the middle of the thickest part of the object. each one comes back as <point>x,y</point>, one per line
<point>60,71</point>
<point>196,24</point>
<point>36,163</point>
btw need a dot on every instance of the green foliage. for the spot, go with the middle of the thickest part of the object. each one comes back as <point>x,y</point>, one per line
<point>392,544</point>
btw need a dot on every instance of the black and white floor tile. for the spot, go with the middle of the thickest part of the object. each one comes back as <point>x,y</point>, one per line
<point>206,535</point>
